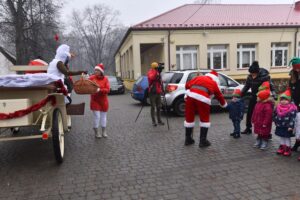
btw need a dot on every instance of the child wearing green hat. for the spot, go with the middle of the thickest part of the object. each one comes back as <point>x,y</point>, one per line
<point>284,118</point>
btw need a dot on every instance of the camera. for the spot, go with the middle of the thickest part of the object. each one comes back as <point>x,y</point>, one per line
<point>161,67</point>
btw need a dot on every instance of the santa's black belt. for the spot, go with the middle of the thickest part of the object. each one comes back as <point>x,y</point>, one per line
<point>200,88</point>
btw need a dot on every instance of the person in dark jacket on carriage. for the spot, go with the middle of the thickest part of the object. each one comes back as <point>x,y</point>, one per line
<point>236,112</point>
<point>254,80</point>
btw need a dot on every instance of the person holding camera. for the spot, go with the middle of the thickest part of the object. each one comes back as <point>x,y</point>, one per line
<point>154,91</point>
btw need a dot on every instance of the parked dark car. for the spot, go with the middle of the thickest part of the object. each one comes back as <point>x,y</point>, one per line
<point>116,85</point>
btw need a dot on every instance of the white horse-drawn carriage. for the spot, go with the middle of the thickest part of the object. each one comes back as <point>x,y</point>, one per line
<point>41,107</point>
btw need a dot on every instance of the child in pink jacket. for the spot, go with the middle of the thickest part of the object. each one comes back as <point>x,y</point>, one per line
<point>262,119</point>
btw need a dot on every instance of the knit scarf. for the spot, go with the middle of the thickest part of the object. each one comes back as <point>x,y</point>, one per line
<point>283,110</point>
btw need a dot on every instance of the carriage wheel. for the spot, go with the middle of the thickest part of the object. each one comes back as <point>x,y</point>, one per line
<point>58,136</point>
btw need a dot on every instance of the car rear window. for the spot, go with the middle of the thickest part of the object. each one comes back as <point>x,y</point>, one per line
<point>139,80</point>
<point>166,77</point>
<point>112,79</point>
<point>176,78</point>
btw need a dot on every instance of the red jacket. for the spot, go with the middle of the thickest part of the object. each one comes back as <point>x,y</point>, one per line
<point>262,118</point>
<point>200,95</point>
<point>154,81</point>
<point>99,101</point>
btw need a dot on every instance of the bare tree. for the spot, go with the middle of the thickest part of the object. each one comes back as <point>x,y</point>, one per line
<point>29,26</point>
<point>99,33</point>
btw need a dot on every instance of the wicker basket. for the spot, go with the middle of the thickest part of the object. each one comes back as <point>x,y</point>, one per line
<point>85,86</point>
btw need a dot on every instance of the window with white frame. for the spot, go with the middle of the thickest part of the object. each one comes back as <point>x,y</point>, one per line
<point>217,57</point>
<point>279,54</point>
<point>245,55</point>
<point>186,57</point>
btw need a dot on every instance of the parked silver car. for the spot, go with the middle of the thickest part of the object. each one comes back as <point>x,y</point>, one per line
<point>174,85</point>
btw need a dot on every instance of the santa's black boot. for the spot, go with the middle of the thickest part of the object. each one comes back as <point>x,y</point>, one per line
<point>296,145</point>
<point>188,137</point>
<point>203,135</point>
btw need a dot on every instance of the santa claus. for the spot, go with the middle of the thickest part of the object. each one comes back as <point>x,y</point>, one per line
<point>199,92</point>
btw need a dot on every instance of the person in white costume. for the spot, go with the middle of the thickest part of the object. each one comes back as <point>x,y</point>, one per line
<point>58,65</point>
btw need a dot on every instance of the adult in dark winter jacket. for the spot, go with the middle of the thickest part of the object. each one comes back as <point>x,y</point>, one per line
<point>256,77</point>
<point>294,82</point>
<point>294,85</point>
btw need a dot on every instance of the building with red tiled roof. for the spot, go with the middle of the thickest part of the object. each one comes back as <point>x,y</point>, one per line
<point>225,37</point>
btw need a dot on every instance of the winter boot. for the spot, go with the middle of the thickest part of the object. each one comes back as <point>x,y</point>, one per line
<point>257,143</point>
<point>188,137</point>
<point>288,151</point>
<point>264,145</point>
<point>247,131</point>
<point>236,135</point>
<point>296,145</point>
<point>104,132</point>
<point>281,149</point>
<point>232,134</point>
<point>203,135</point>
<point>97,134</point>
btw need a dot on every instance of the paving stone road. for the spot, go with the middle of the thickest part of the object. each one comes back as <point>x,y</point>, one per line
<point>138,161</point>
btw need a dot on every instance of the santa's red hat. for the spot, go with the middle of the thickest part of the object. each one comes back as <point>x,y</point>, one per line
<point>100,67</point>
<point>264,94</point>
<point>214,75</point>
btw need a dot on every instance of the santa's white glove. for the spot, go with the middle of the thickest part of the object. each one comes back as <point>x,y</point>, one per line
<point>98,90</point>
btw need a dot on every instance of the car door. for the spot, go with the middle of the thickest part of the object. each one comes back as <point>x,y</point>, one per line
<point>224,86</point>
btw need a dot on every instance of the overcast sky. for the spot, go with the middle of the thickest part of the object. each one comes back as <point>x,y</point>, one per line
<point>135,11</point>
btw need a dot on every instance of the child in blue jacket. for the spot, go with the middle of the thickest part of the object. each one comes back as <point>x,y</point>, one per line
<point>236,112</point>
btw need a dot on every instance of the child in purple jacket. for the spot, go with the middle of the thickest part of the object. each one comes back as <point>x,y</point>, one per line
<point>262,119</point>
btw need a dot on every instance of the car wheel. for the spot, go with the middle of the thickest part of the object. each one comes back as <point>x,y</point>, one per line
<point>179,107</point>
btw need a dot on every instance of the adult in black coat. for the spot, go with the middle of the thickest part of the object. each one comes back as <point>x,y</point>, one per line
<point>256,77</point>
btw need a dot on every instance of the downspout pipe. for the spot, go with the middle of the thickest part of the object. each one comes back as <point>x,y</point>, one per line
<point>169,56</point>
<point>295,42</point>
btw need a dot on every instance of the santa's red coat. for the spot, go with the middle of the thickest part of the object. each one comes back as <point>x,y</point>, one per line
<point>99,101</point>
<point>200,95</point>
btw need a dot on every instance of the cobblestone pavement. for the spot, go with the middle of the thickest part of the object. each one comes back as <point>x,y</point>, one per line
<point>138,161</point>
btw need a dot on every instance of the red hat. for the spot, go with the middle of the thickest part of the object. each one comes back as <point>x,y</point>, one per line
<point>100,67</point>
<point>237,93</point>
<point>264,86</point>
<point>214,75</point>
<point>287,95</point>
<point>264,94</point>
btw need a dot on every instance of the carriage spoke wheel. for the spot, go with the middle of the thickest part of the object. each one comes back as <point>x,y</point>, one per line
<point>58,136</point>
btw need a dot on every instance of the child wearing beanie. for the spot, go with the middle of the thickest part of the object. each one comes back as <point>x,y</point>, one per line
<point>284,118</point>
<point>262,118</point>
<point>236,112</point>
